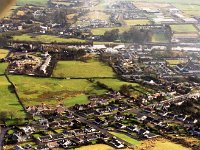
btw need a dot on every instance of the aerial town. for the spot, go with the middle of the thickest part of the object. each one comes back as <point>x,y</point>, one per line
<point>101,75</point>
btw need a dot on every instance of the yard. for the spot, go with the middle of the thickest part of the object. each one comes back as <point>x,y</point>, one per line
<point>46,39</point>
<point>34,91</point>
<point>78,69</point>
<point>3,53</point>
<point>187,28</point>
<point>137,22</point>
<point>126,138</point>
<point>8,100</point>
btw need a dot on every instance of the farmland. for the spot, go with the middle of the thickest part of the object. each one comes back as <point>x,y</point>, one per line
<point>3,53</point>
<point>183,28</point>
<point>35,2</point>
<point>78,69</point>
<point>101,31</point>
<point>159,37</point>
<point>46,39</point>
<point>9,101</point>
<point>3,67</point>
<point>137,22</point>
<point>34,91</point>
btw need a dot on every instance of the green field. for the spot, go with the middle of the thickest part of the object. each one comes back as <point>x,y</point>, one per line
<point>137,22</point>
<point>175,61</point>
<point>187,28</point>
<point>115,83</point>
<point>78,69</point>
<point>8,100</point>
<point>126,138</point>
<point>34,91</point>
<point>101,31</point>
<point>34,2</point>
<point>3,67</point>
<point>81,99</point>
<point>159,38</point>
<point>46,39</point>
<point>3,53</point>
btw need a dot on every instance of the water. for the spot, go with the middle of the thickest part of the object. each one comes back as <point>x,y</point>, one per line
<point>4,6</point>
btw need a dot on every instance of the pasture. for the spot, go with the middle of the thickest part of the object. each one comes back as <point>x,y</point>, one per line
<point>3,53</point>
<point>3,67</point>
<point>78,69</point>
<point>186,28</point>
<point>9,102</point>
<point>34,2</point>
<point>46,39</point>
<point>101,31</point>
<point>137,22</point>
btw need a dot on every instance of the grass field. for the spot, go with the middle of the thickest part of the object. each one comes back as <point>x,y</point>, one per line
<point>34,2</point>
<point>126,138</point>
<point>175,62</point>
<point>183,28</point>
<point>96,15</point>
<point>3,53</point>
<point>46,39</point>
<point>3,67</point>
<point>34,91</point>
<point>137,22</point>
<point>115,83</point>
<point>8,100</point>
<point>168,146</point>
<point>78,69</point>
<point>101,31</point>
<point>159,37</point>
<point>96,147</point>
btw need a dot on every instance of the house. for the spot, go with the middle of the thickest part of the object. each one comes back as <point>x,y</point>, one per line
<point>116,143</point>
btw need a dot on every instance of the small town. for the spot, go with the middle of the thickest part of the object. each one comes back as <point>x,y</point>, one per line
<point>100,74</point>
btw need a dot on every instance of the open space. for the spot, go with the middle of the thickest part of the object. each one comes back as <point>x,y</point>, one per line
<point>9,102</point>
<point>46,39</point>
<point>34,91</point>
<point>159,38</point>
<point>35,2</point>
<point>101,31</point>
<point>3,67</point>
<point>96,147</point>
<point>183,28</point>
<point>78,69</point>
<point>137,22</point>
<point>3,53</point>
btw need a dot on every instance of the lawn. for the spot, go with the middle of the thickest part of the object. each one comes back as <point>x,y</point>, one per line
<point>115,83</point>
<point>183,28</point>
<point>46,39</point>
<point>175,61</point>
<point>159,38</point>
<point>126,138</point>
<point>137,22</point>
<point>101,31</point>
<point>34,91</point>
<point>3,67</point>
<point>78,69</point>
<point>8,100</point>
<point>3,53</point>
<point>34,2</point>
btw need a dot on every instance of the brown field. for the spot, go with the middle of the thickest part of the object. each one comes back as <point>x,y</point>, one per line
<point>160,144</point>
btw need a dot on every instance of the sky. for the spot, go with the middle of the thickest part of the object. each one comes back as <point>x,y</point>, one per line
<point>4,6</point>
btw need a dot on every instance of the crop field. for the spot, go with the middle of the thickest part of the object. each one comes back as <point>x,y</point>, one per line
<point>78,69</point>
<point>8,100</point>
<point>46,39</point>
<point>183,28</point>
<point>137,22</point>
<point>35,2</point>
<point>3,53</point>
<point>159,38</point>
<point>101,31</point>
<point>34,91</point>
<point>126,138</point>
<point>3,67</point>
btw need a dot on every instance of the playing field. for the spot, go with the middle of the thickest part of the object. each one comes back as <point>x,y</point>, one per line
<point>46,39</point>
<point>3,53</point>
<point>34,91</point>
<point>183,28</point>
<point>78,69</point>
<point>8,100</point>
<point>137,22</point>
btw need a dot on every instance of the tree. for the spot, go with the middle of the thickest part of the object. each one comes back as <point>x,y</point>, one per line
<point>111,36</point>
<point>3,116</point>
<point>60,17</point>
<point>125,90</point>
